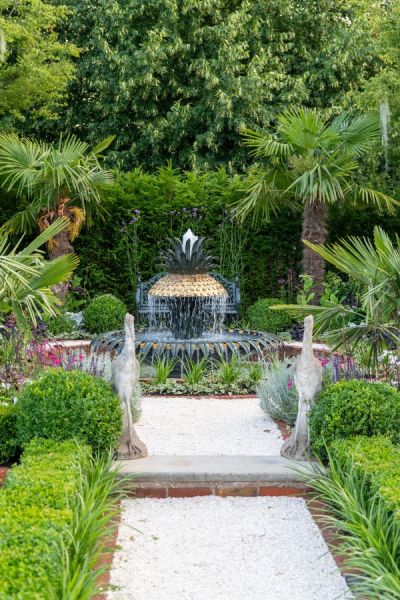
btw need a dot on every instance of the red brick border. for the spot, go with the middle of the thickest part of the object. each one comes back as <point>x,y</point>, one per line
<point>190,489</point>
<point>3,474</point>
<point>205,396</point>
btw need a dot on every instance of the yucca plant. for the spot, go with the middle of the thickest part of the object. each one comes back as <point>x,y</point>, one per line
<point>310,163</point>
<point>163,367</point>
<point>230,371</point>
<point>194,371</point>
<point>59,180</point>
<point>26,278</point>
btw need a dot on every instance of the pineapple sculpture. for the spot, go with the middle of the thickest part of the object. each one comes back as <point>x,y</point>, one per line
<point>195,299</point>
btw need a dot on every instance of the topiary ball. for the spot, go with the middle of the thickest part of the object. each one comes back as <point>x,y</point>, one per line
<point>64,405</point>
<point>104,313</point>
<point>354,407</point>
<point>8,432</point>
<point>261,317</point>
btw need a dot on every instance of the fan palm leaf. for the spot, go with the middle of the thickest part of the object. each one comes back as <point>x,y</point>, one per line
<point>309,161</point>
<point>26,278</point>
<point>51,177</point>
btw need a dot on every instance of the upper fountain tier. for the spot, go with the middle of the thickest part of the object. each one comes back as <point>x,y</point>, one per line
<point>187,265</point>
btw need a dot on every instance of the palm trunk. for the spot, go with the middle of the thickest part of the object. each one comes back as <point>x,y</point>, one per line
<point>62,245</point>
<point>315,231</point>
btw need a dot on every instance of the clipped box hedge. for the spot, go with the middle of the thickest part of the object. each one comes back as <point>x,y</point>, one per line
<point>36,505</point>
<point>379,459</point>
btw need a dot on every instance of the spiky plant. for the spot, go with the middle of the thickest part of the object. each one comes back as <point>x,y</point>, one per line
<point>187,257</point>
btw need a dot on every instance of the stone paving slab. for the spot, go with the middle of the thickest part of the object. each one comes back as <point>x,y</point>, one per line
<point>214,468</point>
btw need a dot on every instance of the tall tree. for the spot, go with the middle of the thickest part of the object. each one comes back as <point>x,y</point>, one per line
<point>179,78</point>
<point>35,66</point>
<point>311,163</point>
<point>59,180</point>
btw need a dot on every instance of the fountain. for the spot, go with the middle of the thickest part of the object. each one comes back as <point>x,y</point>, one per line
<point>186,310</point>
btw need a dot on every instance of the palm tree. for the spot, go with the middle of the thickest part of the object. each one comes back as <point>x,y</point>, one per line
<point>57,180</point>
<point>26,278</point>
<point>310,163</point>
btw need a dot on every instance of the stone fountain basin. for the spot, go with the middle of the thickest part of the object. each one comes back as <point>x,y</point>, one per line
<point>150,344</point>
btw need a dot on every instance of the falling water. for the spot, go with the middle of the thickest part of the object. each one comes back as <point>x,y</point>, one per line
<point>384,114</point>
<point>188,317</point>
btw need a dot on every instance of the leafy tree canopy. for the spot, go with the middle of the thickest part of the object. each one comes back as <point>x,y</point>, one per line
<point>178,79</point>
<point>35,66</point>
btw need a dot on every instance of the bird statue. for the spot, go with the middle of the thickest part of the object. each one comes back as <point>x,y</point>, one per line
<point>308,382</point>
<point>125,376</point>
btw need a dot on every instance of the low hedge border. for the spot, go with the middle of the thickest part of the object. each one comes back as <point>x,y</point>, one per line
<point>379,459</point>
<point>36,513</point>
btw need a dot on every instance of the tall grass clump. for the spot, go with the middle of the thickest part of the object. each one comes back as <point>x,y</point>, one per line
<point>368,532</point>
<point>94,521</point>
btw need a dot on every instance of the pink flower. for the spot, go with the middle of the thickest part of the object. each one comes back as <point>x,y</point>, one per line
<point>290,384</point>
<point>81,356</point>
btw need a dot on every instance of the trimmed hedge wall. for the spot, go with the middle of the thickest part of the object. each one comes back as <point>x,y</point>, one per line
<point>168,203</point>
<point>8,432</point>
<point>36,515</point>
<point>379,460</point>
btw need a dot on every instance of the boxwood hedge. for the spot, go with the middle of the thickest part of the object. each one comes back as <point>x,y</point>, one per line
<point>36,516</point>
<point>379,460</point>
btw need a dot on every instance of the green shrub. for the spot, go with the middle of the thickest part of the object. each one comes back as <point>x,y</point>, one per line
<point>379,460</point>
<point>8,432</point>
<point>349,408</point>
<point>36,517</point>
<point>104,313</point>
<point>261,317</point>
<point>69,404</point>
<point>60,324</point>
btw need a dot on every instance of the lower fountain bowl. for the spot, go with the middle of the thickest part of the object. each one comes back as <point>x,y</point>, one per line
<point>152,344</point>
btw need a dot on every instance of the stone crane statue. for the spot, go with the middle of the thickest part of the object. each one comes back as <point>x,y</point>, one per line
<point>308,382</point>
<point>125,376</point>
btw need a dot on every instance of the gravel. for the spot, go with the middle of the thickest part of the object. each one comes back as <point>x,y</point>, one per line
<point>188,426</point>
<point>211,548</point>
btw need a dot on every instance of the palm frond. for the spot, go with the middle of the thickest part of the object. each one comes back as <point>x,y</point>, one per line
<point>370,197</point>
<point>266,196</point>
<point>264,145</point>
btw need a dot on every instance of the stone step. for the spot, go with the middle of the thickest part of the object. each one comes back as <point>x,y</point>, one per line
<point>178,476</point>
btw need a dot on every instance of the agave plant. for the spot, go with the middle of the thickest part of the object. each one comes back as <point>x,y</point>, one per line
<point>26,278</point>
<point>59,180</point>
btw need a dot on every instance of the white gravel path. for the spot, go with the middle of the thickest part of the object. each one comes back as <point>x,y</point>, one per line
<point>187,426</point>
<point>210,548</point>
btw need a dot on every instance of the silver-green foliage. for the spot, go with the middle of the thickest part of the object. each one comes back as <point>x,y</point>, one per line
<point>277,393</point>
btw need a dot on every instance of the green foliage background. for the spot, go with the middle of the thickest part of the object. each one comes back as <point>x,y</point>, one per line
<point>178,79</point>
<point>35,66</point>
<point>266,257</point>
